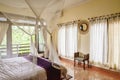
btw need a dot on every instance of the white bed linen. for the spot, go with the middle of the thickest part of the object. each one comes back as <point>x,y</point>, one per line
<point>20,69</point>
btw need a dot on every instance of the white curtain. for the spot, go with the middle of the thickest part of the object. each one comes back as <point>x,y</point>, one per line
<point>44,34</point>
<point>114,43</point>
<point>67,40</point>
<point>30,31</point>
<point>61,41</point>
<point>53,55</point>
<point>3,30</point>
<point>98,41</point>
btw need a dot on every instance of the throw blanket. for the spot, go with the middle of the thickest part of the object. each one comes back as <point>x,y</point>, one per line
<point>20,69</point>
<point>52,73</point>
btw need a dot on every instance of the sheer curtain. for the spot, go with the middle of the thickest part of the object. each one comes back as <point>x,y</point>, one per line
<point>67,40</point>
<point>46,53</point>
<point>61,41</point>
<point>53,55</point>
<point>98,41</point>
<point>3,30</point>
<point>13,19</point>
<point>114,43</point>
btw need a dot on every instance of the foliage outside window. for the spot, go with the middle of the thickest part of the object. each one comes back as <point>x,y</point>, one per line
<point>20,40</point>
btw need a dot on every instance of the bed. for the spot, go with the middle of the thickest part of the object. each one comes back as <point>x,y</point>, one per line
<point>22,68</point>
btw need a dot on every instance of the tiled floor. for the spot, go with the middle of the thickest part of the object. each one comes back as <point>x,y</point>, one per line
<point>92,73</point>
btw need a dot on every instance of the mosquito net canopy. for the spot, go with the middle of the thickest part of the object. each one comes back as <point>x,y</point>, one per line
<point>46,16</point>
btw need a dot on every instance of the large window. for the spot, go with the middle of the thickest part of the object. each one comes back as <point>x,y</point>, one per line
<point>19,30</point>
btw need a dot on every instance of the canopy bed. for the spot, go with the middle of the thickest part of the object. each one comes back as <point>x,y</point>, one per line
<point>44,18</point>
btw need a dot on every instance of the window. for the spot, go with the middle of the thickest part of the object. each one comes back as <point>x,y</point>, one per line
<point>21,40</point>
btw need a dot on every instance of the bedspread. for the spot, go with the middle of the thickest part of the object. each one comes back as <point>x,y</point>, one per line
<point>20,69</point>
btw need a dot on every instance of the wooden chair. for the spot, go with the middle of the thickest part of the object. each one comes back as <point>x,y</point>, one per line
<point>81,57</point>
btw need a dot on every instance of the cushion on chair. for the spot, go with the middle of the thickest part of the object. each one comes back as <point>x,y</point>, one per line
<point>79,58</point>
<point>81,54</point>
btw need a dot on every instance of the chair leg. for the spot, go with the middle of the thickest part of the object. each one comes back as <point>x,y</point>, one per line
<point>88,64</point>
<point>84,65</point>
<point>74,62</point>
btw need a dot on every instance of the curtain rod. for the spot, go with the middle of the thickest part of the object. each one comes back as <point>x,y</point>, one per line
<point>69,22</point>
<point>105,16</point>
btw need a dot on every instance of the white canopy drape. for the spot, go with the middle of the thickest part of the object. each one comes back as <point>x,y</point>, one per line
<point>12,19</point>
<point>3,30</point>
<point>53,55</point>
<point>44,33</point>
<point>50,11</point>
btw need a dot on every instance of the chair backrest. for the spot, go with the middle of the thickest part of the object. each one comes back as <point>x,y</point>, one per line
<point>76,54</point>
<point>86,56</point>
<point>79,54</point>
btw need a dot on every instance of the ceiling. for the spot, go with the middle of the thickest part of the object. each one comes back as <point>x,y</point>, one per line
<point>39,3</point>
<point>49,10</point>
<point>37,7</point>
<point>22,7</point>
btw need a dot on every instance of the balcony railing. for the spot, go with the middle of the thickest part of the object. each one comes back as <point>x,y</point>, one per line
<point>16,49</point>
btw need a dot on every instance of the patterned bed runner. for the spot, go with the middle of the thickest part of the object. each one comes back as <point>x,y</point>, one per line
<point>52,73</point>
